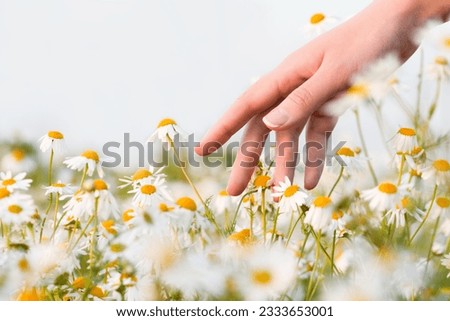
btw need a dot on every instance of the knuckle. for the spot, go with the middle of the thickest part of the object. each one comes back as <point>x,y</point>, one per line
<point>301,97</point>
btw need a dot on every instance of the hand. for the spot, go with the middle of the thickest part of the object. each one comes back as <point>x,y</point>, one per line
<point>291,96</point>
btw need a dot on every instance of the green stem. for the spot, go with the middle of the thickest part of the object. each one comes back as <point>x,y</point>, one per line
<point>426,215</point>
<point>309,292</point>
<point>435,102</point>
<point>400,173</point>
<point>419,90</point>
<point>236,213</point>
<point>364,147</point>
<point>83,177</point>
<point>263,210</point>
<point>93,239</point>
<point>433,237</point>
<point>275,221</point>
<point>341,172</point>
<point>333,249</point>
<point>83,231</point>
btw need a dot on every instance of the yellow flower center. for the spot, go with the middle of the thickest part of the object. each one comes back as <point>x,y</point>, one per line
<point>187,203</point>
<point>414,173</point>
<point>261,181</point>
<point>317,18</point>
<point>18,154</point>
<point>4,193</point>
<point>346,151</point>
<point>416,151</point>
<point>407,132</point>
<point>31,294</point>
<point>100,185</point>
<point>406,202</point>
<point>117,248</point>
<point>262,277</point>
<point>242,237</point>
<point>79,283</point>
<point>443,202</point>
<point>358,90</point>
<point>127,215</point>
<point>291,190</point>
<point>98,292</point>
<point>23,265</point>
<point>446,42</point>
<point>90,154</point>
<point>441,165</point>
<point>109,226</point>
<point>166,122</point>
<point>9,182</point>
<point>15,209</point>
<point>59,185</point>
<point>337,215</point>
<point>140,174</point>
<point>387,188</point>
<point>55,135</point>
<point>223,193</point>
<point>148,189</point>
<point>441,61</point>
<point>322,201</point>
<point>163,207</point>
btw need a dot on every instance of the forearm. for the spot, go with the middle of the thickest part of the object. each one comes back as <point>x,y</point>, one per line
<point>424,10</point>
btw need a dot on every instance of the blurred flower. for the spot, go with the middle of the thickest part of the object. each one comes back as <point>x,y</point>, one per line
<point>291,196</point>
<point>319,23</point>
<point>350,158</point>
<point>142,176</point>
<point>438,172</point>
<point>88,160</point>
<point>145,195</point>
<point>396,215</point>
<point>320,213</point>
<point>167,130</point>
<point>59,188</point>
<point>53,140</point>
<point>17,210</point>
<point>439,69</point>
<point>18,161</point>
<point>223,202</point>
<point>446,263</point>
<point>18,182</point>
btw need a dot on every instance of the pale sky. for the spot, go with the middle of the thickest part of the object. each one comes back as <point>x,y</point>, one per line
<point>96,69</point>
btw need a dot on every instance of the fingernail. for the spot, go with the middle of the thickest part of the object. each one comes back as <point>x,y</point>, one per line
<point>276,118</point>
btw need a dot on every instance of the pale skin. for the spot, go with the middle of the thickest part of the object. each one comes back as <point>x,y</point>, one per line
<point>290,98</point>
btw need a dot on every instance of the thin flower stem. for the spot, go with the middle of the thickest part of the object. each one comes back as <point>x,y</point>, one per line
<point>341,172</point>
<point>435,102</point>
<point>91,218</point>
<point>263,210</point>
<point>309,292</point>
<point>333,249</point>
<point>419,90</point>
<point>93,239</point>
<point>433,198</point>
<point>275,222</point>
<point>50,199</point>
<point>364,147</point>
<point>55,219</point>
<point>379,119</point>
<point>433,237</point>
<point>233,223</point>
<point>324,250</point>
<point>403,104</point>
<point>400,172</point>
<point>292,229</point>
<point>83,177</point>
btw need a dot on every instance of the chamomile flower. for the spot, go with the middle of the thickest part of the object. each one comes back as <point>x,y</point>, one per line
<point>54,140</point>
<point>17,210</point>
<point>396,215</point>
<point>88,160</point>
<point>145,195</point>
<point>107,205</point>
<point>4,194</point>
<point>141,176</point>
<point>319,23</point>
<point>439,69</point>
<point>441,207</point>
<point>264,278</point>
<point>59,188</point>
<point>13,183</point>
<point>405,141</point>
<point>320,213</point>
<point>384,197</point>
<point>291,196</point>
<point>17,161</point>
<point>261,182</point>
<point>438,172</point>
<point>166,131</point>
<point>349,158</point>
<point>223,202</point>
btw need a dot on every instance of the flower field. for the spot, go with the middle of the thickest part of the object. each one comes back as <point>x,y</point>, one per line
<point>72,230</point>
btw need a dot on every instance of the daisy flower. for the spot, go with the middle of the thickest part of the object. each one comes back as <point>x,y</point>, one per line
<point>18,161</point>
<point>166,131</point>
<point>141,176</point>
<point>405,141</point>
<point>442,207</point>
<point>89,159</point>
<point>107,205</point>
<point>396,215</point>
<point>54,140</point>
<point>223,202</point>
<point>145,195</point>
<point>264,278</point>
<point>383,197</point>
<point>4,194</point>
<point>59,188</point>
<point>261,182</point>
<point>17,210</point>
<point>439,172</point>
<point>18,182</point>
<point>349,158</point>
<point>439,69</point>
<point>318,24</point>
<point>291,196</point>
<point>320,213</point>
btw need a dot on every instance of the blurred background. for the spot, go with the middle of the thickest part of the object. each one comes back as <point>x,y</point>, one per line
<point>95,69</point>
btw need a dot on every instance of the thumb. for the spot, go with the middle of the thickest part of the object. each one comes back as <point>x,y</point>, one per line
<point>295,110</point>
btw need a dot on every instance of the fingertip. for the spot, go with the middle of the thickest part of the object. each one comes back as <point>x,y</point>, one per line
<point>234,190</point>
<point>312,178</point>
